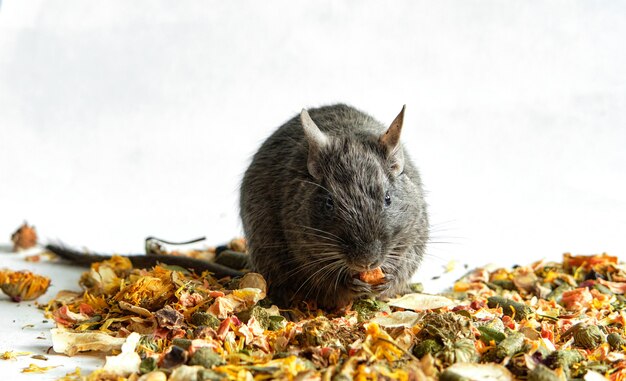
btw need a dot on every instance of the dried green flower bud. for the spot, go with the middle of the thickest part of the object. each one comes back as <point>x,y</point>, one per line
<point>426,346</point>
<point>616,341</point>
<point>446,328</point>
<point>367,308</point>
<point>277,322</point>
<point>181,342</point>
<point>147,365</point>
<point>259,313</point>
<point>564,359</point>
<point>588,337</point>
<point>462,350</point>
<point>206,357</point>
<point>316,332</point>
<point>206,319</point>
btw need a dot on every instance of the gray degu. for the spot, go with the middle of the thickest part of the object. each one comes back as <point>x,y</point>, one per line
<point>330,194</point>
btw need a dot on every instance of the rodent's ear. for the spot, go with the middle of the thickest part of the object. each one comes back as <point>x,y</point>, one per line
<point>390,141</point>
<point>316,140</point>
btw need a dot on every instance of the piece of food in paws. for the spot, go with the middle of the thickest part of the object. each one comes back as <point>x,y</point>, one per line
<point>373,276</point>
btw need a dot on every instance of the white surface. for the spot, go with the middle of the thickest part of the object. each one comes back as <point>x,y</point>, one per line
<point>23,326</point>
<point>121,120</point>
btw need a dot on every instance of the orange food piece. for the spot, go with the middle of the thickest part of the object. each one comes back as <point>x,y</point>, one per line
<point>577,299</point>
<point>588,261</point>
<point>373,277</point>
<point>24,238</point>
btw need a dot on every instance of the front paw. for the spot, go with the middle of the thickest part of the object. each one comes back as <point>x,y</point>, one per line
<point>388,282</point>
<point>358,288</point>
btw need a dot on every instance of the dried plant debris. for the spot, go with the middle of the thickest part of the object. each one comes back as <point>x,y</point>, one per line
<point>23,285</point>
<point>544,321</point>
<point>12,355</point>
<point>34,368</point>
<point>24,237</point>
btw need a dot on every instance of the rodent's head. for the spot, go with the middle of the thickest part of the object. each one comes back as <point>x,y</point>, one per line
<point>362,205</point>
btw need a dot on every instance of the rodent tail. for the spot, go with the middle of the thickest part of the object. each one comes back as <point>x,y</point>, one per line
<point>144,261</point>
<point>75,256</point>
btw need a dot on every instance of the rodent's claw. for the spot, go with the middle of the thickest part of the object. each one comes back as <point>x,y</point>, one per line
<point>358,287</point>
<point>384,286</point>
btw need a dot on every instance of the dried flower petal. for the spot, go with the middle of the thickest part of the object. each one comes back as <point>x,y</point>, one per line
<point>23,285</point>
<point>33,368</point>
<point>11,355</point>
<point>126,362</point>
<point>463,371</point>
<point>420,302</point>
<point>576,299</point>
<point>70,343</point>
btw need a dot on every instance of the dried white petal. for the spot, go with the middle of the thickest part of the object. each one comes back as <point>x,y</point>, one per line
<point>70,343</point>
<point>185,373</point>
<point>594,376</point>
<point>126,362</point>
<point>421,302</point>
<point>398,319</point>
<point>481,372</point>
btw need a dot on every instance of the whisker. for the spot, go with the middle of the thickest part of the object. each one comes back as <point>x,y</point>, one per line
<point>309,265</point>
<point>316,184</point>
<point>321,283</point>
<point>313,261</point>
<point>323,232</point>
<point>337,278</point>
<point>312,277</point>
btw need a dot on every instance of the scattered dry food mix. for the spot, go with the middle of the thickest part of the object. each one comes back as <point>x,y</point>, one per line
<point>544,321</point>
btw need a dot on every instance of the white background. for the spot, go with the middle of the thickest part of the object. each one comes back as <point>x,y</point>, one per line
<point>120,120</point>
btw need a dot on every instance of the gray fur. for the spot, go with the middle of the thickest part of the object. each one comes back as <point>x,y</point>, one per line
<point>309,248</point>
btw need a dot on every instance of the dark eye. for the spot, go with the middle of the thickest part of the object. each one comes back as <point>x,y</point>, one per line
<point>387,199</point>
<point>329,203</point>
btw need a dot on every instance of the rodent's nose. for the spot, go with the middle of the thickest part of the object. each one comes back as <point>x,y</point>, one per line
<point>365,256</point>
<point>373,247</point>
<point>373,251</point>
<point>372,254</point>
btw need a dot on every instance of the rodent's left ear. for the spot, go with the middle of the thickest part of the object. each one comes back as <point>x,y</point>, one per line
<point>390,141</point>
<point>316,140</point>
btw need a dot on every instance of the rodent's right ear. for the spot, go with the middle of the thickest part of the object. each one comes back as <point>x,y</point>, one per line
<point>390,140</point>
<point>316,140</point>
